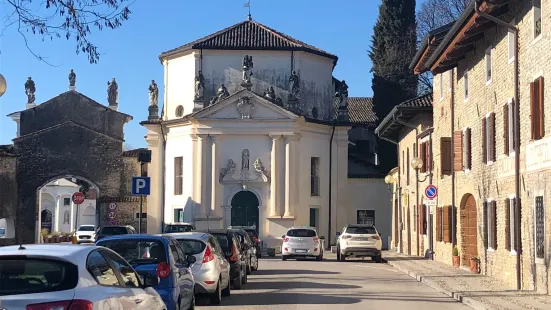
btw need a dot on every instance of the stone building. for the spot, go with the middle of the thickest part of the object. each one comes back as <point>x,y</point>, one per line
<point>255,130</point>
<point>475,144</point>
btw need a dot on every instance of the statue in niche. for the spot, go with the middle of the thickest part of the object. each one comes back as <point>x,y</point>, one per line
<point>295,87</point>
<point>269,93</point>
<point>247,66</point>
<point>66,217</point>
<point>230,169</point>
<point>72,78</point>
<point>153,93</point>
<point>112,92</point>
<point>30,89</point>
<point>199,86</point>
<point>245,159</point>
<point>342,94</point>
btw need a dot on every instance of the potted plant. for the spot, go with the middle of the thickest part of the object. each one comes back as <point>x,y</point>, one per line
<point>55,236</point>
<point>44,234</point>
<point>455,255</point>
<point>475,264</point>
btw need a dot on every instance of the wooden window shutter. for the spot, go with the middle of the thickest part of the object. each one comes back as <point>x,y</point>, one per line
<point>445,155</point>
<point>423,156</point>
<point>421,219</point>
<point>492,136</point>
<point>506,129</point>
<point>485,218</point>
<point>446,228</point>
<point>484,142</point>
<point>494,225</point>
<point>533,111</point>
<point>467,145</point>
<point>507,224</point>
<point>428,146</point>
<point>438,224</point>
<point>541,111</point>
<point>458,150</point>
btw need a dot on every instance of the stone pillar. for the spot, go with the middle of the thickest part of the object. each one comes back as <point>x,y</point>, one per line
<point>274,178</point>
<point>56,213</point>
<point>216,187</point>
<point>291,175</point>
<point>155,216</point>
<point>202,177</point>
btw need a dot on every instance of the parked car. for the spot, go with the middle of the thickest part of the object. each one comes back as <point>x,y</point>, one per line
<point>162,256</point>
<point>359,241</point>
<point>85,234</point>
<point>258,244</point>
<point>229,241</point>
<point>62,276</point>
<point>248,246</point>
<point>178,228</point>
<point>108,231</point>
<point>302,242</point>
<point>212,270</point>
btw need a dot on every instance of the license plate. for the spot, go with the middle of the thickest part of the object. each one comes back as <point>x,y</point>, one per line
<point>361,239</point>
<point>300,251</point>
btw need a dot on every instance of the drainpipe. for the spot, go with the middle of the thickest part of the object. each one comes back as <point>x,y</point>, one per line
<point>516,134</point>
<point>163,194</point>
<point>453,158</point>
<point>328,247</point>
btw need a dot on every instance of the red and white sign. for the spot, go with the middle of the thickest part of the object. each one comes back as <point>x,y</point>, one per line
<point>112,215</point>
<point>78,198</point>
<point>112,206</point>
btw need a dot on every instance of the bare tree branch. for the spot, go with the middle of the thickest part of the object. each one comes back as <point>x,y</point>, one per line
<point>72,19</point>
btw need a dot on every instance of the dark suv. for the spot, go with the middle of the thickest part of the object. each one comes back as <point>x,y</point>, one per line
<point>248,247</point>
<point>178,228</point>
<point>254,237</point>
<point>107,231</point>
<point>229,241</point>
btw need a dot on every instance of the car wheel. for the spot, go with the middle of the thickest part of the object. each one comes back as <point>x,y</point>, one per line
<point>342,257</point>
<point>238,283</point>
<point>319,257</point>
<point>245,278</point>
<point>227,291</point>
<point>378,258</point>
<point>192,305</point>
<point>216,296</point>
<point>249,267</point>
<point>254,267</point>
<point>284,257</point>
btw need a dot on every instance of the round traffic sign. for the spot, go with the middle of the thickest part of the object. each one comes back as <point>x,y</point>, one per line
<point>78,198</point>
<point>431,191</point>
<point>112,215</point>
<point>112,206</point>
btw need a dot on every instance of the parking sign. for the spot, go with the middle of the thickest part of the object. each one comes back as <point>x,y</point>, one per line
<point>141,186</point>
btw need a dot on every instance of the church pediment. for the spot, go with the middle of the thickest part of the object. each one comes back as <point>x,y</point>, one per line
<point>245,105</point>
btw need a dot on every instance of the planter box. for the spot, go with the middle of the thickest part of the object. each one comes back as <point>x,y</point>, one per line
<point>475,266</point>
<point>456,261</point>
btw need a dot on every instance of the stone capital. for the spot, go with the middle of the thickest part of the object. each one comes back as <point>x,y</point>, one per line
<point>200,137</point>
<point>294,137</point>
<point>275,136</point>
<point>216,138</point>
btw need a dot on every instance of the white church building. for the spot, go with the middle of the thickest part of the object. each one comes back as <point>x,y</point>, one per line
<point>255,130</point>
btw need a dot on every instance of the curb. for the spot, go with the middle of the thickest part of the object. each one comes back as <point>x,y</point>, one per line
<point>469,301</point>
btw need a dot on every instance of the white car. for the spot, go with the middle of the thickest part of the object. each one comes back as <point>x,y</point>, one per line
<point>359,241</point>
<point>302,242</point>
<point>65,276</point>
<point>86,234</point>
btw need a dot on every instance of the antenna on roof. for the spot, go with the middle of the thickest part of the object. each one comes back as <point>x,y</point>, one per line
<point>248,5</point>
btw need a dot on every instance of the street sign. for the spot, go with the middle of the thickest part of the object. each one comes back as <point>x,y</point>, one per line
<point>78,198</point>
<point>431,192</point>
<point>112,222</point>
<point>430,202</point>
<point>141,185</point>
<point>112,215</point>
<point>112,206</point>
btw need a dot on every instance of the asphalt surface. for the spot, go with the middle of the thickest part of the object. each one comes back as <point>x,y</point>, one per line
<point>354,284</point>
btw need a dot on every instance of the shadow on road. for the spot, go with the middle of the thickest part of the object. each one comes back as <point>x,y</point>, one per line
<point>268,272</point>
<point>289,285</point>
<point>260,299</point>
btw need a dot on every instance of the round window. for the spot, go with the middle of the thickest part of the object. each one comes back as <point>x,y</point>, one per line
<point>315,112</point>
<point>179,111</point>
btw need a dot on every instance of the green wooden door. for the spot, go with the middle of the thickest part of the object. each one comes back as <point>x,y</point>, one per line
<point>244,211</point>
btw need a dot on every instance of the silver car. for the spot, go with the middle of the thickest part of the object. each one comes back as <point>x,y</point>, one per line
<point>302,242</point>
<point>211,270</point>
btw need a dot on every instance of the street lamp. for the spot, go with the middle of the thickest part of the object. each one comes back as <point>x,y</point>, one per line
<point>417,163</point>
<point>3,85</point>
<point>389,180</point>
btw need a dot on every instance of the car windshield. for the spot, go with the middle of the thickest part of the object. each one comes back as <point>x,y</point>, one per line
<point>361,230</point>
<point>21,275</point>
<point>178,228</point>
<point>301,233</point>
<point>192,247</point>
<point>86,228</point>
<point>114,230</point>
<point>224,242</point>
<point>137,251</point>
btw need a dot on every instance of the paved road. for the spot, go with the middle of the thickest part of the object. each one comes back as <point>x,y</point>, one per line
<point>332,285</point>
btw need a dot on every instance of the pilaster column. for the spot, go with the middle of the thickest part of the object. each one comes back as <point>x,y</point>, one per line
<point>202,178</point>
<point>274,178</point>
<point>72,219</point>
<point>155,214</point>
<point>291,174</point>
<point>216,187</point>
<point>56,213</point>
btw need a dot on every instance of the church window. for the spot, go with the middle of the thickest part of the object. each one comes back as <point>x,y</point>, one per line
<point>315,176</point>
<point>66,201</point>
<point>178,175</point>
<point>179,111</point>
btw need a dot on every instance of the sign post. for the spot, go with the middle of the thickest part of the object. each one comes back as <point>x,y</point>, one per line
<point>78,199</point>
<point>141,187</point>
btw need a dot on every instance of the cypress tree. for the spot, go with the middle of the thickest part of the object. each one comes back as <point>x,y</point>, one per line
<point>393,48</point>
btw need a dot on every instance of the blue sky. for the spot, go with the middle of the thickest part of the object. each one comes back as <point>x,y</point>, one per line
<point>130,53</point>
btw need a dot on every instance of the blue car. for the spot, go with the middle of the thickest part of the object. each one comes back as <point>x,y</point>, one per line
<point>162,256</point>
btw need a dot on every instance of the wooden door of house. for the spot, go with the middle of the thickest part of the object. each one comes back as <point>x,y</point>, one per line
<point>469,231</point>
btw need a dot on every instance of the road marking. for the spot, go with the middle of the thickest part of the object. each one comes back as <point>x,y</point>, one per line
<point>366,266</point>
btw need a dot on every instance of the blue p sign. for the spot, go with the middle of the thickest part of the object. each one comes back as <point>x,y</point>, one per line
<point>141,185</point>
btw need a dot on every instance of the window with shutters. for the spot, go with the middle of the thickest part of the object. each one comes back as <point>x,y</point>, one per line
<point>466,83</point>
<point>509,209</point>
<point>423,219</point>
<point>447,213</point>
<point>490,220</point>
<point>536,7</point>
<point>424,155</point>
<point>536,109</point>
<point>488,58</point>
<point>488,139</point>
<point>511,42</point>
<point>466,156</point>
<point>178,175</point>
<point>458,150</point>
<point>539,222</point>
<point>508,129</point>
<point>407,167</point>
<point>446,155</point>
<point>439,224</point>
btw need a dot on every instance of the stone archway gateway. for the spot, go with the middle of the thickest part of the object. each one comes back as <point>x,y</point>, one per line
<point>244,211</point>
<point>469,231</point>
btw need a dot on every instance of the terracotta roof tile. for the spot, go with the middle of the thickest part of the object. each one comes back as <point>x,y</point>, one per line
<point>360,110</point>
<point>421,101</point>
<point>132,153</point>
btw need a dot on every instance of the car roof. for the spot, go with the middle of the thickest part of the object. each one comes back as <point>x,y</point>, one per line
<point>303,227</point>
<point>216,231</point>
<point>87,225</point>
<point>137,236</point>
<point>196,235</point>
<point>242,227</point>
<point>180,223</point>
<point>68,252</point>
<point>360,225</point>
<point>125,226</point>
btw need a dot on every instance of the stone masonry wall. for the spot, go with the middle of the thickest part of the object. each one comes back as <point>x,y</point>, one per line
<point>8,192</point>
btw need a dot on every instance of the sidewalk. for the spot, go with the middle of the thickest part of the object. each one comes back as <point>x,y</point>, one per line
<point>478,291</point>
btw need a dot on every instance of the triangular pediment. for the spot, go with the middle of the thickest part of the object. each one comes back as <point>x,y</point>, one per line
<point>245,105</point>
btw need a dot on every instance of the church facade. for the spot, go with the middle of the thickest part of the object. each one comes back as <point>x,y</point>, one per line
<point>256,131</point>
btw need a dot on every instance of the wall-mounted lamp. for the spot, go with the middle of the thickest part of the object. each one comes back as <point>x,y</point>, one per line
<point>389,180</point>
<point>417,163</point>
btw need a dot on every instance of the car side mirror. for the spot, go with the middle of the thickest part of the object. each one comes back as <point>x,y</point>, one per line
<point>150,280</point>
<point>338,233</point>
<point>283,237</point>
<point>322,238</point>
<point>379,234</point>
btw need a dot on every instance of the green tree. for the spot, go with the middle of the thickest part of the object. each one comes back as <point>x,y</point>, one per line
<point>394,44</point>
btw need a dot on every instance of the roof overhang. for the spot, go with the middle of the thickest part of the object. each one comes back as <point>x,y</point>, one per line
<point>464,34</point>
<point>428,46</point>
<point>391,125</point>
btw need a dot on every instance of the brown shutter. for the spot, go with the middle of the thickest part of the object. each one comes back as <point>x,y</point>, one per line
<point>484,142</point>
<point>485,224</point>
<point>506,129</point>
<point>533,111</point>
<point>421,219</point>
<point>445,155</point>
<point>507,225</point>
<point>541,110</point>
<point>492,136</point>
<point>458,150</point>
<point>423,156</point>
<point>438,224</point>
<point>494,225</point>
<point>446,230</point>
<point>428,146</point>
<point>467,144</point>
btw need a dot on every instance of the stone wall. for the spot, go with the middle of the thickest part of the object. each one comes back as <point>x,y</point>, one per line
<point>8,188</point>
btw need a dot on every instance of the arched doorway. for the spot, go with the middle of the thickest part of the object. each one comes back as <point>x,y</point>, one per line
<point>244,209</point>
<point>46,216</point>
<point>469,231</point>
